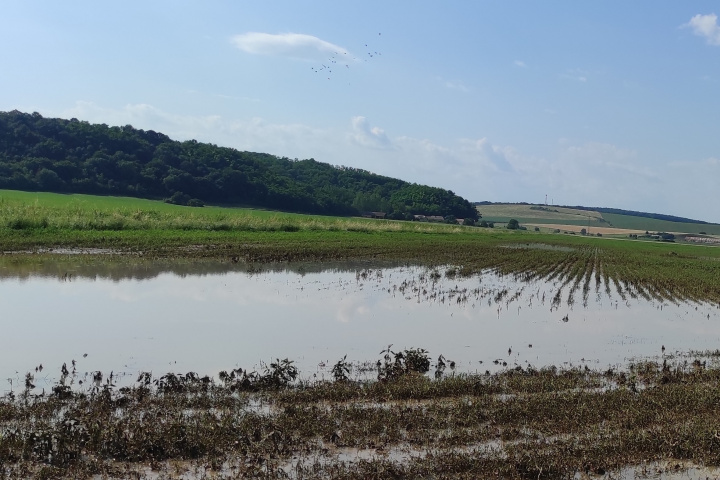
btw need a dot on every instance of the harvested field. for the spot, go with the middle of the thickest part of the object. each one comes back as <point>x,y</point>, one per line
<point>703,240</point>
<point>592,230</point>
<point>539,212</point>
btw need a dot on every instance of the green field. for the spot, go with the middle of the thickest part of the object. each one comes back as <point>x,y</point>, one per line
<point>58,212</point>
<point>539,214</point>
<point>543,214</point>
<point>38,222</point>
<point>502,220</point>
<point>654,225</point>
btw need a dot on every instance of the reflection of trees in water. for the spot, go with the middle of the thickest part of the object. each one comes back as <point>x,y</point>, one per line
<point>572,272</point>
<point>68,267</point>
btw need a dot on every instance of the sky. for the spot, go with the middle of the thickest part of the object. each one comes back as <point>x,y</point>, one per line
<point>608,104</point>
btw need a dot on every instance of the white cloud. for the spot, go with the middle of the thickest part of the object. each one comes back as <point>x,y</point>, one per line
<point>365,135</point>
<point>520,63</point>
<point>707,162</point>
<point>607,162</point>
<point>142,115</point>
<point>425,160</point>
<point>575,74</point>
<point>294,45</point>
<point>600,153</point>
<point>457,86</point>
<point>254,134</point>
<point>492,156</point>
<point>705,26</point>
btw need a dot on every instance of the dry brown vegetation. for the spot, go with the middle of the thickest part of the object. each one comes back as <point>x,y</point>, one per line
<point>518,423</point>
<point>578,228</point>
<point>540,212</point>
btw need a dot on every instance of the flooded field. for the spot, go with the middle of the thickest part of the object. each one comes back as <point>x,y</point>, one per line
<point>206,316</point>
<point>217,369</point>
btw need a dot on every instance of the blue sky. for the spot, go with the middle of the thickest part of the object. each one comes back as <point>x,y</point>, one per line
<point>591,103</point>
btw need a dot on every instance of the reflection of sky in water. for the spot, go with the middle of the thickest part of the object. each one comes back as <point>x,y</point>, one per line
<point>220,321</point>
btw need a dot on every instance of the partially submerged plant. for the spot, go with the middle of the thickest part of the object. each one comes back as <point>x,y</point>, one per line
<point>341,370</point>
<point>517,423</point>
<point>398,364</point>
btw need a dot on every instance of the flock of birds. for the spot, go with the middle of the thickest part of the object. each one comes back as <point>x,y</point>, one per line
<point>338,59</point>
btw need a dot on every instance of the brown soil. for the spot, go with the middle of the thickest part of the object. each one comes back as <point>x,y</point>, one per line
<point>590,230</point>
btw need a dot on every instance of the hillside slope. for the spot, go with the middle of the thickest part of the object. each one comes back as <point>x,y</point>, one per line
<point>56,155</point>
<point>594,220</point>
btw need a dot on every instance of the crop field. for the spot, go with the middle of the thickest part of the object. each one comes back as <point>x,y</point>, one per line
<point>546,212</point>
<point>559,217</point>
<point>128,212</point>
<point>540,214</point>
<point>524,423</point>
<point>578,229</point>
<point>654,225</point>
<point>521,422</point>
<point>653,270</point>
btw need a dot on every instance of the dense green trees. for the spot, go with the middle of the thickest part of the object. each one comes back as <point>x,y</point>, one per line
<point>38,153</point>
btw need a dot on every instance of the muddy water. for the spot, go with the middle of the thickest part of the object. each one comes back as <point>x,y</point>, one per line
<point>129,316</point>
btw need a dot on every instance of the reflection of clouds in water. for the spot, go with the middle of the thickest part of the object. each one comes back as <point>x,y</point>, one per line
<point>351,308</point>
<point>203,321</point>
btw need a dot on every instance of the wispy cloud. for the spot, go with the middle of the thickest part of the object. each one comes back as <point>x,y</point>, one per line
<point>705,26</point>
<point>253,134</point>
<point>707,162</point>
<point>453,84</point>
<point>459,86</point>
<point>575,74</point>
<point>520,63</point>
<point>293,45</point>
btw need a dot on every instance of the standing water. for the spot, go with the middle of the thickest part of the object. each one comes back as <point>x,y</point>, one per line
<point>134,316</point>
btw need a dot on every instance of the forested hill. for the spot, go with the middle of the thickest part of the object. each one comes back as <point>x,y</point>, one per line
<point>50,154</point>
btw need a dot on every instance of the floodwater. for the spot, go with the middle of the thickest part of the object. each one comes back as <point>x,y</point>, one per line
<point>128,316</point>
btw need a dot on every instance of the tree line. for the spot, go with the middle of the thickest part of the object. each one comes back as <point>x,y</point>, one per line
<point>58,155</point>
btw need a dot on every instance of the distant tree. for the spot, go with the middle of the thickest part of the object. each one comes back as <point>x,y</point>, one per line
<point>583,231</point>
<point>178,198</point>
<point>49,180</point>
<point>513,224</point>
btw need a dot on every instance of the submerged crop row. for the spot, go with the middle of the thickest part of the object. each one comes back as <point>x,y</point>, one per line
<point>581,268</point>
<point>582,265</point>
<point>518,423</point>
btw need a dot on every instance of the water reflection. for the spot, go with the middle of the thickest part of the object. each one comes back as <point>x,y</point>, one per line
<point>132,315</point>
